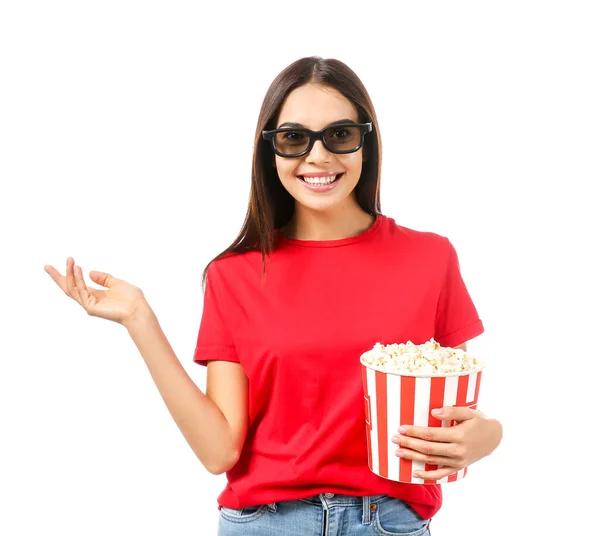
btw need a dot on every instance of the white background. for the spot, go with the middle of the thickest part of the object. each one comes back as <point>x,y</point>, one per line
<point>117,121</point>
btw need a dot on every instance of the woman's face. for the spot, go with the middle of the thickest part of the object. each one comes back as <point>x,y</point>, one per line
<point>315,106</point>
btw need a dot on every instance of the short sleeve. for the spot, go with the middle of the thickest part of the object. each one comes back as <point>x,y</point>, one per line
<point>215,341</point>
<point>457,320</point>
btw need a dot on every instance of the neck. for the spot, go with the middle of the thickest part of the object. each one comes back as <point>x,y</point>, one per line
<point>308,224</point>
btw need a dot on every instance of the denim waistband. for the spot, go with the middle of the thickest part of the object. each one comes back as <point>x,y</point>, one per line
<point>338,499</point>
<point>330,500</point>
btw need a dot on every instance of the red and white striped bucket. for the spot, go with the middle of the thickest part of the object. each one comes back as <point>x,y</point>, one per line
<point>392,400</point>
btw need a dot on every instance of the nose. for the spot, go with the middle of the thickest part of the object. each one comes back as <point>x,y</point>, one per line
<point>318,153</point>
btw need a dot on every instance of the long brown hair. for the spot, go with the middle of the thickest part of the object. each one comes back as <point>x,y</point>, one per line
<point>270,205</point>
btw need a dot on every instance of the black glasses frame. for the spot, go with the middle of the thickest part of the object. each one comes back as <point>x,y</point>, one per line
<point>314,136</point>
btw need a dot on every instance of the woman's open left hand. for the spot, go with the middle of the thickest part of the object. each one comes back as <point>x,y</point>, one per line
<point>453,447</point>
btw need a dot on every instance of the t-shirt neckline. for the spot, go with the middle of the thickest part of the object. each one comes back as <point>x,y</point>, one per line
<point>336,242</point>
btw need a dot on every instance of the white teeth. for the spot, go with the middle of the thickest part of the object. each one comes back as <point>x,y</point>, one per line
<point>319,180</point>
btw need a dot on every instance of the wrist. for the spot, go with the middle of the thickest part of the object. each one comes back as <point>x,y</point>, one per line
<point>141,316</point>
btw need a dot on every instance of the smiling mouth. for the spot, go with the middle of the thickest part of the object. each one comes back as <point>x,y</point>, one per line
<point>337,178</point>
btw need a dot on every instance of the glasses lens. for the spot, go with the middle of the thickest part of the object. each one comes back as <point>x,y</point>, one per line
<point>292,141</point>
<point>337,139</point>
<point>340,139</point>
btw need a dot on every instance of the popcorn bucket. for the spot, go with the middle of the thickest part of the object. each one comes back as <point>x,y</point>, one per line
<point>394,399</point>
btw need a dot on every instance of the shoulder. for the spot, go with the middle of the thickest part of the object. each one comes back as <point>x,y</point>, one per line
<point>418,240</point>
<point>236,267</point>
<point>226,264</point>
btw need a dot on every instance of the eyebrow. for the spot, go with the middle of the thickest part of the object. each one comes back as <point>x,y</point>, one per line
<point>300,125</point>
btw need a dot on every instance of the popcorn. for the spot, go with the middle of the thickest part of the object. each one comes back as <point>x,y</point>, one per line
<point>429,358</point>
<point>402,384</point>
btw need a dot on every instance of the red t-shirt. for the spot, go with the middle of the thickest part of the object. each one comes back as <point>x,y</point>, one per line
<point>299,336</point>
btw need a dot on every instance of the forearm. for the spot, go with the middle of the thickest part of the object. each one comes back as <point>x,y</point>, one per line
<point>200,420</point>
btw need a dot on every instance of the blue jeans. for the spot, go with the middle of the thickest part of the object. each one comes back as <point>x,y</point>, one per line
<point>325,514</point>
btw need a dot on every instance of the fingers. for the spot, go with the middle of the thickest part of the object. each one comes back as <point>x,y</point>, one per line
<point>436,475</point>
<point>433,460</point>
<point>56,277</point>
<point>70,279</point>
<point>67,282</point>
<point>443,434</point>
<point>456,413</point>
<point>82,290</point>
<point>428,448</point>
<point>102,278</point>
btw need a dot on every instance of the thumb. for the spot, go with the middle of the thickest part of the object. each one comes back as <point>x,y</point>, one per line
<point>102,278</point>
<point>454,413</point>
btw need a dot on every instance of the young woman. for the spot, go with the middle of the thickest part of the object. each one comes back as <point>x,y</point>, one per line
<point>316,277</point>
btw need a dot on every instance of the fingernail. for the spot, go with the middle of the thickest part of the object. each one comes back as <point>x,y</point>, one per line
<point>396,438</point>
<point>402,429</point>
<point>437,411</point>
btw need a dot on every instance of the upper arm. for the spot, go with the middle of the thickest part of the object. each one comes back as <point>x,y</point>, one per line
<point>227,387</point>
<point>456,317</point>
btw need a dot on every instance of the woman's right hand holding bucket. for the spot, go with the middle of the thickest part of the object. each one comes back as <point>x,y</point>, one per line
<point>120,303</point>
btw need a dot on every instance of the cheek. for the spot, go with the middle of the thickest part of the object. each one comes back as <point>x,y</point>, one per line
<point>353,161</point>
<point>285,169</point>
<point>353,165</point>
